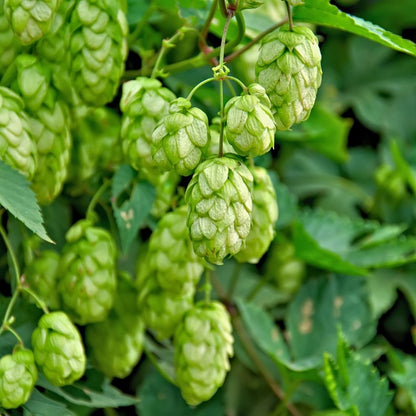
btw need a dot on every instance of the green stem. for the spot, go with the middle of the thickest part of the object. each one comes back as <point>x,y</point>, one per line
<point>234,279</point>
<point>289,15</point>
<point>37,299</point>
<point>95,198</point>
<point>221,143</point>
<point>239,82</point>
<point>223,8</point>
<point>6,318</point>
<point>205,81</point>
<point>207,286</point>
<point>11,253</point>
<point>211,14</point>
<point>17,336</point>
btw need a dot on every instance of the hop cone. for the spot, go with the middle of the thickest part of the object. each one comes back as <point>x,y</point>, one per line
<point>214,141</point>
<point>143,103</point>
<point>10,46</point>
<point>180,138</point>
<point>165,185</point>
<point>116,344</point>
<point>30,19</point>
<point>96,147</point>
<point>250,126</point>
<point>58,349</point>
<point>99,49</point>
<point>171,257</point>
<point>41,276</point>
<point>289,68</point>
<point>264,216</point>
<point>88,279</point>
<point>50,127</point>
<point>203,344</point>
<point>17,147</point>
<point>219,199</point>
<point>18,375</point>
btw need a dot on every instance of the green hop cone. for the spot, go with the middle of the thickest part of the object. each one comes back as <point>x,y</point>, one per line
<point>250,126</point>
<point>88,277</point>
<point>10,46</point>
<point>289,68</point>
<point>18,375</point>
<point>143,103</point>
<point>203,344</point>
<point>180,137</point>
<point>220,204</point>
<point>17,147</point>
<point>30,19</point>
<point>214,141</point>
<point>51,132</point>
<point>99,49</point>
<point>41,276</point>
<point>171,257</point>
<point>264,216</point>
<point>58,349</point>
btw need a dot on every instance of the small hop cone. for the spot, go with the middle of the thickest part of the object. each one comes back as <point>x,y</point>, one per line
<point>203,344</point>
<point>250,125</point>
<point>17,147</point>
<point>289,68</point>
<point>58,349</point>
<point>143,103</point>
<point>51,132</point>
<point>30,20</point>
<point>18,375</point>
<point>264,216</point>
<point>180,137</point>
<point>41,276</point>
<point>220,205</point>
<point>99,49</point>
<point>171,257</point>
<point>88,277</point>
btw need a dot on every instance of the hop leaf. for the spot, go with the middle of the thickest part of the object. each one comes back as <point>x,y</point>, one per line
<point>88,278</point>
<point>220,204</point>
<point>203,344</point>
<point>180,137</point>
<point>250,126</point>
<point>289,68</point>
<point>58,349</point>
<point>143,103</point>
<point>264,216</point>
<point>18,375</point>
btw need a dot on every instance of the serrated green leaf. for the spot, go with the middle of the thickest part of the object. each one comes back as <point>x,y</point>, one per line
<point>320,307</point>
<point>354,385</point>
<point>40,405</point>
<point>17,197</point>
<point>323,13</point>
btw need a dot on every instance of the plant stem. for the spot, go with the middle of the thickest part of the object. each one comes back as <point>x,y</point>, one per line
<point>289,15</point>
<point>205,28</point>
<point>12,255</point>
<point>239,82</point>
<point>17,336</point>
<point>205,81</point>
<point>221,142</point>
<point>9,309</point>
<point>95,198</point>
<point>38,300</point>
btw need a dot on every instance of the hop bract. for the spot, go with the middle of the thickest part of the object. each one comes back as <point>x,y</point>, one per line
<point>180,138</point>
<point>289,68</point>
<point>250,126</point>
<point>264,216</point>
<point>17,147</point>
<point>220,204</point>
<point>88,278</point>
<point>203,344</point>
<point>18,375</point>
<point>143,103</point>
<point>58,349</point>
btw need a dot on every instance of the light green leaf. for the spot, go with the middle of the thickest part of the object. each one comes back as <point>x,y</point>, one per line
<point>355,386</point>
<point>320,307</point>
<point>17,197</point>
<point>323,13</point>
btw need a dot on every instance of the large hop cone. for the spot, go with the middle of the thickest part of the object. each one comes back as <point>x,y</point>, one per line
<point>143,103</point>
<point>171,258</point>
<point>88,277</point>
<point>30,19</point>
<point>180,137</point>
<point>250,126</point>
<point>263,218</point>
<point>17,148</point>
<point>18,375</point>
<point>219,199</point>
<point>41,276</point>
<point>99,49</point>
<point>214,141</point>
<point>203,344</point>
<point>116,344</point>
<point>10,46</point>
<point>58,349</point>
<point>289,68</point>
<point>51,132</point>
<point>96,147</point>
